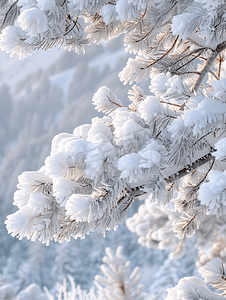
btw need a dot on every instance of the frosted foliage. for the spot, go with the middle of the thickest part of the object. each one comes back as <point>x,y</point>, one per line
<point>78,207</point>
<point>219,90</point>
<point>140,4</point>
<point>100,131</point>
<point>12,41</point>
<point>167,147</point>
<point>207,111</point>
<point>106,101</point>
<point>51,23</point>
<point>82,131</point>
<point>180,24</point>
<point>135,165</point>
<point>46,5</point>
<point>221,149</point>
<point>116,284</point>
<point>176,126</point>
<point>118,157</point>
<point>28,181</point>
<point>158,84</point>
<point>74,292</point>
<point>213,274</point>
<point>34,21</point>
<point>212,193</point>
<point>129,164</point>
<point>108,13</point>
<point>125,124</point>
<point>150,108</point>
<point>154,227</point>
<point>126,11</point>
<point>191,287</point>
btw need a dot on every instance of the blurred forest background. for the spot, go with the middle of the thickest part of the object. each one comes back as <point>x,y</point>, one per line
<point>41,96</point>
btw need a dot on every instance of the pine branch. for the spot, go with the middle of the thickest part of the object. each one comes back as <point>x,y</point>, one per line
<point>157,60</point>
<point>214,75</point>
<point>185,171</point>
<point>13,11</point>
<point>207,66</point>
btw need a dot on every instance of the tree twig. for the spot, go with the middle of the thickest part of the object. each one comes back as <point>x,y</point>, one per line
<point>157,60</point>
<point>207,66</point>
<point>219,68</point>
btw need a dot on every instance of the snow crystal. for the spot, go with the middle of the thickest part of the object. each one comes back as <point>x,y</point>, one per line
<point>150,108</point>
<point>108,12</point>
<point>77,207</point>
<point>56,165</point>
<point>212,193</point>
<point>37,203</point>
<point>125,123</point>
<point>34,21</point>
<point>82,131</point>
<point>63,188</point>
<point>72,146</point>
<point>28,181</point>
<point>129,165</point>
<point>191,287</point>
<point>105,100</point>
<point>12,39</point>
<point>97,158</point>
<point>212,271</point>
<point>99,131</point>
<point>150,155</point>
<point>158,84</point>
<point>57,139</point>
<point>46,5</point>
<point>132,165</point>
<point>173,85</point>
<point>180,24</point>
<point>18,222</point>
<point>220,89</point>
<point>208,111</point>
<point>221,149</point>
<point>175,127</point>
<point>125,10</point>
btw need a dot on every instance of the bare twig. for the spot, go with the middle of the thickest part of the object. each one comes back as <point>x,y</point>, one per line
<point>204,178</point>
<point>174,104</point>
<point>189,222</point>
<point>157,60</point>
<point>8,12</point>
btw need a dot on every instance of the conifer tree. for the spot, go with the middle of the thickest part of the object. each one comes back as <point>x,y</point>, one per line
<point>167,147</point>
<point>115,285</point>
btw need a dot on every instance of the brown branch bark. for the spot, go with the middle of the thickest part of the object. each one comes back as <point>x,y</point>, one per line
<point>207,66</point>
<point>185,171</point>
<point>219,68</point>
